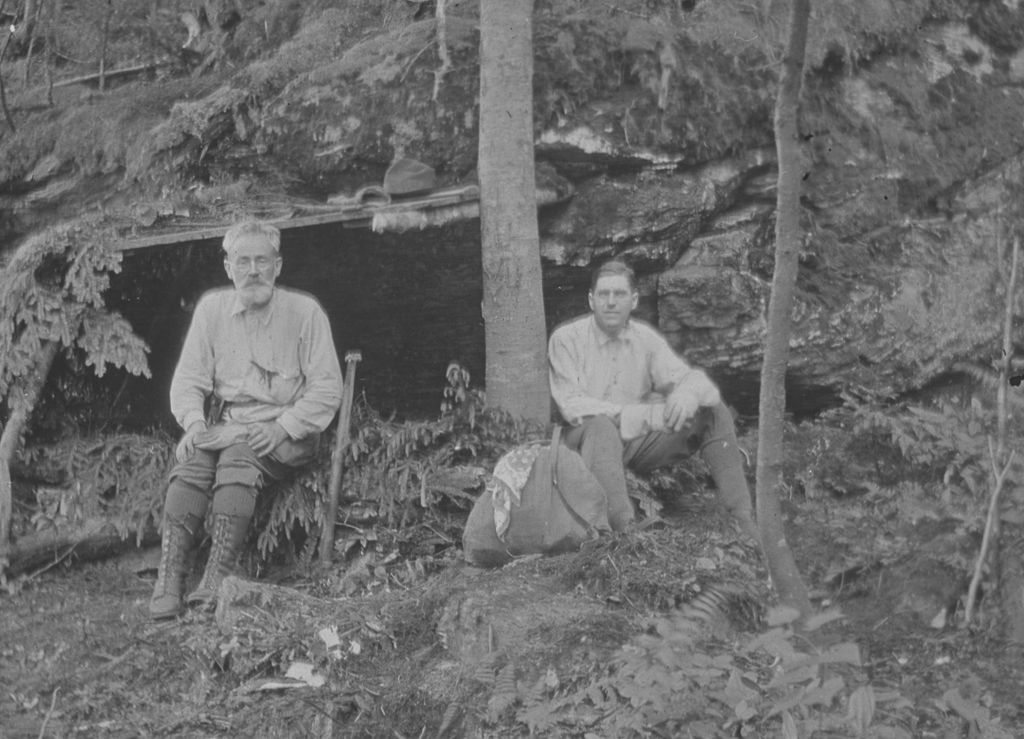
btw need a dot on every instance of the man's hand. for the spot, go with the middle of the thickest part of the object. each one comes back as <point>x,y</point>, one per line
<point>683,402</point>
<point>187,446</point>
<point>266,437</point>
<point>680,406</point>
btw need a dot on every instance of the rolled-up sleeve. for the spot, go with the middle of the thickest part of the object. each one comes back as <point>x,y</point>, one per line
<point>320,398</point>
<point>669,372</point>
<point>192,382</point>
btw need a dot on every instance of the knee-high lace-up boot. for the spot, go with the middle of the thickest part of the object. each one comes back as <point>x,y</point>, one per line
<point>178,538</point>
<point>228,533</point>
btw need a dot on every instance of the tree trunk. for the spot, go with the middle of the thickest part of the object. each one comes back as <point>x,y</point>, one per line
<point>20,400</point>
<point>788,235</point>
<point>513,300</point>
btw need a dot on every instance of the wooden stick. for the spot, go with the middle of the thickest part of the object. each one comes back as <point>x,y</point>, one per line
<point>49,714</point>
<point>990,537</point>
<point>986,539</point>
<point>107,75</point>
<point>338,457</point>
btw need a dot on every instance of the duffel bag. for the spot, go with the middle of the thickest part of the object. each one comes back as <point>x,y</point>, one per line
<point>558,507</point>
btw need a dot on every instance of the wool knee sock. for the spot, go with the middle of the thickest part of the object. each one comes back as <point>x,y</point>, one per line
<point>234,500</point>
<point>185,504</point>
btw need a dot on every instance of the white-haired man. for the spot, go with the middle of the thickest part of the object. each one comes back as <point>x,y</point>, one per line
<point>261,358</point>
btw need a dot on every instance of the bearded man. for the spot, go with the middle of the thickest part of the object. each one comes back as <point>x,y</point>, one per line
<point>258,380</point>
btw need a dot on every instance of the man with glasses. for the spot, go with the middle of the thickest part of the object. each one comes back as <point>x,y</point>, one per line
<point>257,381</point>
<point>630,400</point>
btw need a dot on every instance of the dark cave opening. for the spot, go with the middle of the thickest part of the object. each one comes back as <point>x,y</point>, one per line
<point>409,302</point>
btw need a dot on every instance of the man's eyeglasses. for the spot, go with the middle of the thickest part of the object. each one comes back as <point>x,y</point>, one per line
<point>247,264</point>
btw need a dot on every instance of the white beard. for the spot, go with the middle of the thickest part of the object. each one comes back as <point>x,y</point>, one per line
<point>255,296</point>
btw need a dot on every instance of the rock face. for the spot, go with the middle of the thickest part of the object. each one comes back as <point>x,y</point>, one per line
<point>913,138</point>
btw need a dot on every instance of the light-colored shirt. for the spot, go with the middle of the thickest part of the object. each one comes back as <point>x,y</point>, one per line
<point>272,363</point>
<point>624,377</point>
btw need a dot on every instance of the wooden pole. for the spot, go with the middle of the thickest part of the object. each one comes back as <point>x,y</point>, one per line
<point>352,358</point>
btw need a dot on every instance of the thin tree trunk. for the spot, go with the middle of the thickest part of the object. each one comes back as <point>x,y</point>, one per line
<point>1003,415</point>
<point>29,16</point>
<point>27,72</point>
<point>1007,546</point>
<point>3,90</point>
<point>1011,586</point>
<point>154,14</point>
<point>103,45</point>
<point>33,9</point>
<point>21,400</point>
<point>788,235</point>
<point>513,300</point>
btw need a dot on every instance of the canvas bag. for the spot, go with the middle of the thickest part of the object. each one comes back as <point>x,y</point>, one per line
<point>561,506</point>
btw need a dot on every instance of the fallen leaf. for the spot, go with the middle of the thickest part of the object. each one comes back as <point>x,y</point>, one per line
<point>304,671</point>
<point>329,636</point>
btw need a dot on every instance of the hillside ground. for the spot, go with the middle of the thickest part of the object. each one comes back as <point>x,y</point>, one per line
<point>424,646</point>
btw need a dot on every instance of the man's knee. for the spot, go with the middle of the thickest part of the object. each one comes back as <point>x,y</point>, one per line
<point>239,465</point>
<point>197,472</point>
<point>600,428</point>
<point>593,432</point>
<point>717,424</point>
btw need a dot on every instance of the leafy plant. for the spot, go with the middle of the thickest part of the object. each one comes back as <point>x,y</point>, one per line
<point>945,449</point>
<point>120,478</point>
<point>777,683</point>
<point>399,468</point>
<point>52,291</point>
<point>855,31</point>
<point>51,295</point>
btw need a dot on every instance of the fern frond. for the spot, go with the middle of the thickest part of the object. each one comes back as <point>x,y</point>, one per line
<point>732,602</point>
<point>484,672</point>
<point>505,693</point>
<point>448,719</point>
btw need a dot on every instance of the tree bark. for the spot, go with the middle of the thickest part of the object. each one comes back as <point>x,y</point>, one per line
<point>788,236</point>
<point>20,400</point>
<point>513,300</point>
